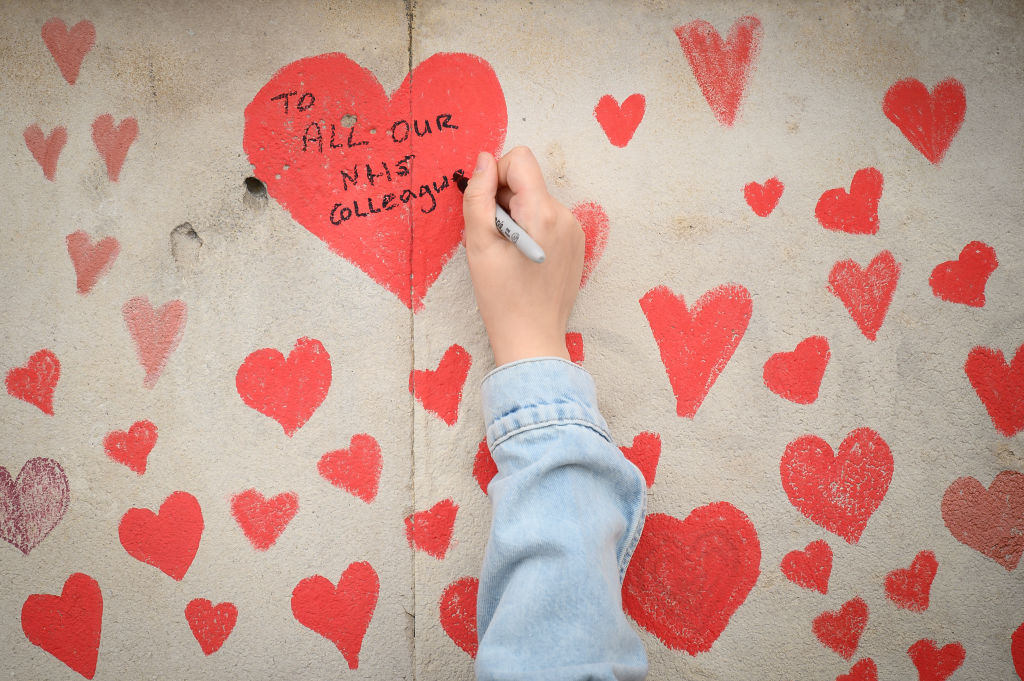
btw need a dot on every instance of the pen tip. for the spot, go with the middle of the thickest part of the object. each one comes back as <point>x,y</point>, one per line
<point>459,178</point>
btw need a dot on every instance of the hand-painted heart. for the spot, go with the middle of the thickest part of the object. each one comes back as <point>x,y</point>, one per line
<point>169,539</point>
<point>574,344</point>
<point>1000,386</point>
<point>688,577</point>
<point>113,141</point>
<point>484,468</point>
<point>69,47</point>
<point>856,211</point>
<point>91,261</point>
<point>1017,650</point>
<point>810,568</point>
<point>35,382</point>
<point>866,292</point>
<point>762,198</point>
<point>458,613</point>
<point>431,530</point>
<point>356,469</point>
<point>840,630</point>
<point>696,345</point>
<point>620,122</point>
<point>989,521</point>
<point>963,280</point>
<point>796,376</point>
<point>440,390</point>
<point>934,663</point>
<point>263,520</point>
<point>594,222</point>
<point>863,670</point>
<point>67,626</point>
<point>132,447</point>
<point>341,613</point>
<point>32,504</point>
<point>287,390</point>
<point>210,624</point>
<point>156,333</point>
<point>368,175</point>
<point>928,121</point>
<point>644,454</point>
<point>46,150</point>
<point>838,491</point>
<point>909,588</point>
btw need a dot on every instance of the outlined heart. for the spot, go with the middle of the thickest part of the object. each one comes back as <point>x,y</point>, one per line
<point>340,613</point>
<point>934,663</point>
<point>288,390</point>
<point>430,531</point>
<point>644,454</point>
<point>810,568</point>
<point>863,670</point>
<point>458,613</point>
<point>156,333</point>
<point>840,630</point>
<point>695,345</point>
<point>484,467</point>
<point>929,121</point>
<point>46,149</point>
<point>356,469</point>
<point>35,382</point>
<point>866,293</point>
<point>989,521</point>
<point>762,198</point>
<point>796,376</point>
<point>999,385</point>
<point>69,47</point>
<point>721,69</point>
<point>440,390</point>
<point>210,624</point>
<point>1017,650</point>
<point>132,447</point>
<point>688,577</point>
<point>619,122</point>
<point>594,222</point>
<point>169,539</point>
<point>113,141</point>
<point>91,261</point>
<point>963,280</point>
<point>32,504</point>
<point>263,519</point>
<point>856,211</point>
<point>838,490</point>
<point>574,344</point>
<point>67,626</point>
<point>909,588</point>
<point>376,190</point>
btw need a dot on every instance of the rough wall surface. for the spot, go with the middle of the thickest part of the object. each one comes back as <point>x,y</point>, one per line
<point>819,373</point>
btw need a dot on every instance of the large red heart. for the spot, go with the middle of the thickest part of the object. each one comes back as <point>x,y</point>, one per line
<point>934,663</point>
<point>619,122</point>
<point>644,454</point>
<point>928,121</point>
<point>113,141</point>
<point>963,280</point>
<point>856,211</point>
<point>91,261</point>
<point>762,198</point>
<point>909,588</point>
<point>810,568</point>
<point>863,670</point>
<point>594,222</point>
<point>287,390</point>
<point>1000,386</point>
<point>797,375</point>
<point>33,504</point>
<point>440,390</point>
<point>458,613</point>
<point>838,491</point>
<point>156,333</point>
<point>866,292</point>
<point>169,539</point>
<point>35,382</point>
<point>356,469</point>
<point>210,624</point>
<point>68,47</point>
<point>368,174</point>
<point>989,521</point>
<point>696,345</point>
<point>67,626</point>
<point>132,447</point>
<point>431,530</point>
<point>46,150</point>
<point>840,630</point>
<point>263,520</point>
<point>341,613</point>
<point>688,577</point>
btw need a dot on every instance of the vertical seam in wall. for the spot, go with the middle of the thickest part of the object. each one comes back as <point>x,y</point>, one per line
<point>410,8</point>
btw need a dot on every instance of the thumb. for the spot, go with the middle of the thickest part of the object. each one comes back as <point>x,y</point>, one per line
<point>478,201</point>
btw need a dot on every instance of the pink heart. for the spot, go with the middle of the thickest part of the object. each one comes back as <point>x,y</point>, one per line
<point>69,47</point>
<point>91,261</point>
<point>156,333</point>
<point>113,141</point>
<point>33,504</point>
<point>46,150</point>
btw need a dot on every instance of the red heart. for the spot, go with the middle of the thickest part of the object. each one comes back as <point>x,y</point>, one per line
<point>810,568</point>
<point>688,577</point>
<point>644,453</point>
<point>67,626</point>
<point>356,186</point>
<point>1017,650</point>
<point>156,333</point>
<point>620,122</point>
<point>909,587</point>
<point>33,504</point>
<point>91,261</point>
<point>261,519</point>
<point>210,624</point>
<point>855,212</point>
<point>696,345</point>
<point>936,664</point>
<point>356,469</point>
<point>169,539</point>
<point>113,141</point>
<point>762,198</point>
<point>484,468</point>
<point>796,376</point>
<point>963,280</point>
<point>1000,386</point>
<point>440,390</point>
<point>574,344</point>
<point>866,293</point>
<point>431,530</point>
<point>132,448</point>
<point>287,390</point>
<point>458,613</point>
<point>838,491</point>
<point>594,222</point>
<point>989,521</point>
<point>863,670</point>
<point>341,613</point>
<point>69,47</point>
<point>721,69</point>
<point>928,121</point>
<point>35,382</point>
<point>46,150</point>
<point>840,630</point>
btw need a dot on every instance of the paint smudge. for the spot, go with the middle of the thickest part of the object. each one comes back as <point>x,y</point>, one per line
<point>288,390</point>
<point>340,613</point>
<point>594,222</point>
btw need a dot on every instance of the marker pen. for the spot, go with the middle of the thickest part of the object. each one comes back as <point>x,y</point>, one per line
<point>507,226</point>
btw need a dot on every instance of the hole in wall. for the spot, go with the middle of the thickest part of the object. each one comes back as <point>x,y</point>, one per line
<point>185,244</point>
<point>255,193</point>
<point>348,120</point>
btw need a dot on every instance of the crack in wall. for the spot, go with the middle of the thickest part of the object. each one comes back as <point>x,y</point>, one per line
<point>410,16</point>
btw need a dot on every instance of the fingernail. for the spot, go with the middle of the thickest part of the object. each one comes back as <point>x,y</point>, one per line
<point>481,161</point>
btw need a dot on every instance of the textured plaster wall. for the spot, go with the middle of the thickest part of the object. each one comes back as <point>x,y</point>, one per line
<point>794,532</point>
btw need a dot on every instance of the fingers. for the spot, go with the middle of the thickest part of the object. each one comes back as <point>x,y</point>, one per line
<point>519,171</point>
<point>478,200</point>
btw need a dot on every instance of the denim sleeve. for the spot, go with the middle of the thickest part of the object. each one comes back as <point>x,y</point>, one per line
<point>568,509</point>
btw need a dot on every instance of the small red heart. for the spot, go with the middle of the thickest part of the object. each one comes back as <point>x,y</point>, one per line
<point>644,453</point>
<point>168,539</point>
<point>909,587</point>
<point>32,504</point>
<point>113,141</point>
<point>67,626</point>
<point>132,447</point>
<point>840,630</point>
<point>810,568</point>
<point>963,280</point>
<point>1017,650</point>
<point>458,613</point>
<point>440,390</point>
<point>91,261</point>
<point>1000,386</point>
<point>68,47</point>
<point>484,468</point>
<point>928,121</point>
<point>261,519</point>
<point>594,222</point>
<point>856,211</point>
<point>574,344</point>
<point>989,521</point>
<point>356,469</point>
<point>933,663</point>
<point>620,122</point>
<point>863,670</point>
<point>341,613</point>
<point>762,198</point>
<point>796,376</point>
<point>46,150</point>
<point>210,624</point>
<point>156,333</point>
<point>287,390</point>
<point>35,382</point>
<point>431,530</point>
<point>866,293</point>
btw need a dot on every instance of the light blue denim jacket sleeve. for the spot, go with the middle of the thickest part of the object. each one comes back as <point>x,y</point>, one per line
<point>568,509</point>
